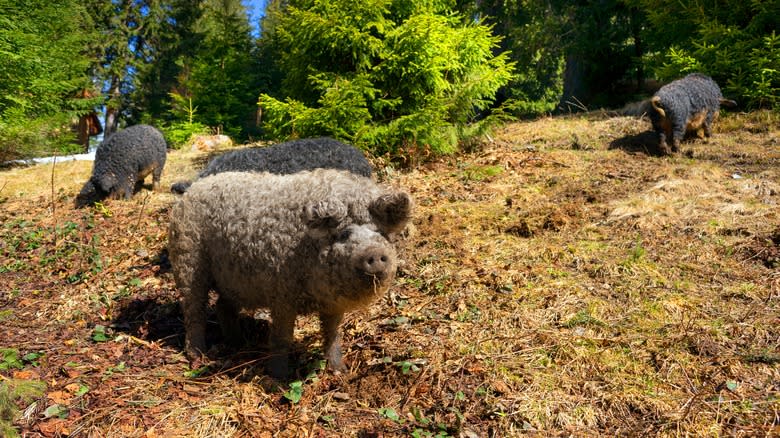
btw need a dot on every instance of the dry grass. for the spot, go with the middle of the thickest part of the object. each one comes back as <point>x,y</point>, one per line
<point>562,280</point>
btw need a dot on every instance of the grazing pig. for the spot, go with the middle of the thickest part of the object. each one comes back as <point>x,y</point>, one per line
<point>288,157</point>
<point>122,162</point>
<point>685,106</point>
<point>311,242</point>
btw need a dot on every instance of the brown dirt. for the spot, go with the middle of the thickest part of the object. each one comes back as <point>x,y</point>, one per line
<point>563,279</point>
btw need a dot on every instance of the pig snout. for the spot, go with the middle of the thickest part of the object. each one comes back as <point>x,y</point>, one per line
<point>377,262</point>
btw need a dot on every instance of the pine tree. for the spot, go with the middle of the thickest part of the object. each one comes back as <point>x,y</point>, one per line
<point>131,33</point>
<point>383,74</point>
<point>176,40</point>
<point>43,67</point>
<point>222,74</point>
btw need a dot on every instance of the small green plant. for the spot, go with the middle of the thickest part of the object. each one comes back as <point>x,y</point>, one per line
<point>99,334</point>
<point>295,392</point>
<point>13,392</point>
<point>83,389</point>
<point>471,314</point>
<point>10,359</point>
<point>408,367</point>
<point>32,358</point>
<point>178,133</point>
<point>583,318</point>
<point>102,209</point>
<point>199,372</point>
<point>56,410</point>
<point>119,368</point>
<point>391,414</point>
<point>637,252</point>
<point>481,173</point>
<point>635,255</point>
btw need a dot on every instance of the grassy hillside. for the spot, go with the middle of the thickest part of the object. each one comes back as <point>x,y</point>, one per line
<point>559,279</point>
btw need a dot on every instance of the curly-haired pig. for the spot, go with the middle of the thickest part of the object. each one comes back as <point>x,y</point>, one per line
<point>312,242</point>
<point>122,161</point>
<point>288,157</point>
<point>686,106</point>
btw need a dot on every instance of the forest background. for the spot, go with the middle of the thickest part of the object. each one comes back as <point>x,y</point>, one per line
<point>398,78</point>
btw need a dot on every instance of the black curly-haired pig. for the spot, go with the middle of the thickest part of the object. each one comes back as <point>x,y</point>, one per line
<point>122,162</point>
<point>683,107</point>
<point>287,158</point>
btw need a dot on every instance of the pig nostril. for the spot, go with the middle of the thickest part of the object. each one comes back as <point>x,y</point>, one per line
<point>384,258</point>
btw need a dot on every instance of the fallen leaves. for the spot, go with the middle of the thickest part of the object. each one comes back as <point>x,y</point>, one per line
<point>522,304</point>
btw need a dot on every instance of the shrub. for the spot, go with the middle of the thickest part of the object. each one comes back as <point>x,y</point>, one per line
<point>385,75</point>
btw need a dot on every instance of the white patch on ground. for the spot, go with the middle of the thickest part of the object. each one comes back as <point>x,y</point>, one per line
<point>89,156</point>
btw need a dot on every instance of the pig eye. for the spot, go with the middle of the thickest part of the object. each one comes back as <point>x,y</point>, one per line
<point>344,235</point>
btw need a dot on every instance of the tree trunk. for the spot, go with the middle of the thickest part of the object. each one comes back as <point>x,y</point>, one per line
<point>575,86</point>
<point>112,108</point>
<point>636,31</point>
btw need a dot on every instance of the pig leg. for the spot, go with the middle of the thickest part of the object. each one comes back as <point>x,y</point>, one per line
<point>677,134</point>
<point>331,339</point>
<point>280,340</point>
<point>156,175</point>
<point>194,300</point>
<point>711,115</point>
<point>662,145</point>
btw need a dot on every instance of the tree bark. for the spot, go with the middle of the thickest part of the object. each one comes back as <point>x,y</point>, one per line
<point>575,88</point>
<point>112,107</point>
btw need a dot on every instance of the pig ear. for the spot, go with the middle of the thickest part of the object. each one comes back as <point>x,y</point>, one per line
<point>106,182</point>
<point>324,215</point>
<point>392,210</point>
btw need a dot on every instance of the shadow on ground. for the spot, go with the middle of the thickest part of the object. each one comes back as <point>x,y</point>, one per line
<point>645,143</point>
<point>155,316</point>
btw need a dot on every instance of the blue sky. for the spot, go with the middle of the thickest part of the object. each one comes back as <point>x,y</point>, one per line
<point>255,9</point>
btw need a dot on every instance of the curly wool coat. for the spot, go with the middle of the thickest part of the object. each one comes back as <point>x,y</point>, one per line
<point>286,158</point>
<point>122,162</point>
<point>312,242</point>
<point>686,106</point>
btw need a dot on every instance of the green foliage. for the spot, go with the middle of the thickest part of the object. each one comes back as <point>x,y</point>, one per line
<point>174,42</point>
<point>386,75</point>
<point>220,74</point>
<point>181,131</point>
<point>11,392</point>
<point>747,67</point>
<point>736,43</point>
<point>42,67</point>
<point>295,392</point>
<point>10,359</point>
<point>532,35</point>
<point>391,414</point>
<point>99,334</point>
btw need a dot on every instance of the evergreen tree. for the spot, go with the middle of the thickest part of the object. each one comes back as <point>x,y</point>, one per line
<point>43,67</point>
<point>601,52</point>
<point>530,31</point>
<point>735,42</point>
<point>172,39</point>
<point>121,51</point>
<point>383,74</point>
<point>222,75</point>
